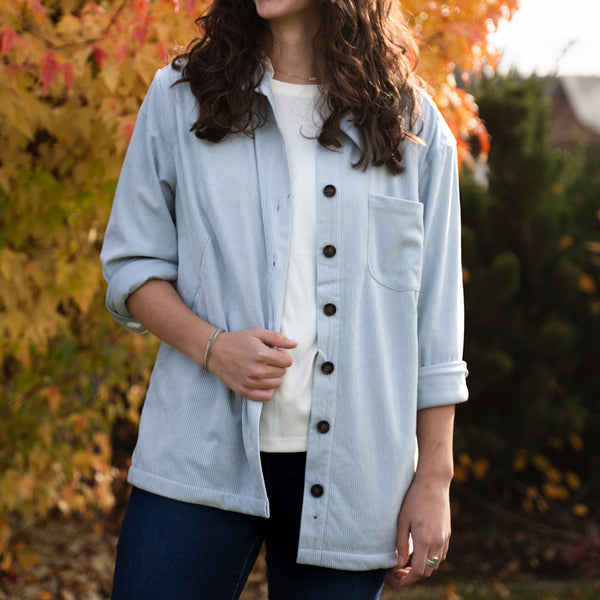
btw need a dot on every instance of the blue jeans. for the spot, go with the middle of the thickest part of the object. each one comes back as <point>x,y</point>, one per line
<point>171,550</point>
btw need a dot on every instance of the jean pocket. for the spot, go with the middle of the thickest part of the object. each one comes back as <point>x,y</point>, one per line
<point>395,244</point>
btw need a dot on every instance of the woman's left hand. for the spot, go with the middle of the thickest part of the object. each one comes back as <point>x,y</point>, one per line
<point>425,515</point>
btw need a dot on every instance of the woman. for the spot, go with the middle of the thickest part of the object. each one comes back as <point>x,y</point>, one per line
<point>287,223</point>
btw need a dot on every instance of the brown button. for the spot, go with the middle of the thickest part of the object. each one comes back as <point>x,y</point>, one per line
<point>316,490</point>
<point>329,191</point>
<point>329,251</point>
<point>329,309</point>
<point>323,427</point>
<point>327,368</point>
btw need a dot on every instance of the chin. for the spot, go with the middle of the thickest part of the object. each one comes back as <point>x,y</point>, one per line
<point>282,9</point>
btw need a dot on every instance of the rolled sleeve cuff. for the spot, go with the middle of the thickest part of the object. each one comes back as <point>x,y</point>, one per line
<point>129,278</point>
<point>442,384</point>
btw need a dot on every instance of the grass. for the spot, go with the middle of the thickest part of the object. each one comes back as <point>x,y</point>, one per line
<point>547,590</point>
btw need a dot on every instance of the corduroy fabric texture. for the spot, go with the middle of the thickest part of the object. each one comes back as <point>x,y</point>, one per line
<point>215,219</point>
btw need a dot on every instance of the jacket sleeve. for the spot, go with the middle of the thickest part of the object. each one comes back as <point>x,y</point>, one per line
<point>140,242</point>
<point>442,372</point>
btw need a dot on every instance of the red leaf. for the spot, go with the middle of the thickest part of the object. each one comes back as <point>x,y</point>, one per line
<point>99,55</point>
<point>49,67</point>
<point>164,57</point>
<point>67,71</point>
<point>127,128</point>
<point>190,5</point>
<point>139,34</point>
<point>121,52</point>
<point>140,5</point>
<point>7,40</point>
<point>37,8</point>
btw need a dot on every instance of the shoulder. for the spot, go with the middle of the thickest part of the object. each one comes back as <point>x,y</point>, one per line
<point>164,80</point>
<point>165,98</point>
<point>435,132</point>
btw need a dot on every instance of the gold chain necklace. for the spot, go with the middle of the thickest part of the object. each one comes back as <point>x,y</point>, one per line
<point>309,79</point>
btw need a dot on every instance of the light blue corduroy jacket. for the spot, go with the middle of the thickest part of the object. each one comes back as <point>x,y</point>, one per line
<point>215,220</point>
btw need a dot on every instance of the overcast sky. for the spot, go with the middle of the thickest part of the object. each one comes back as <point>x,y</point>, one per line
<point>552,37</point>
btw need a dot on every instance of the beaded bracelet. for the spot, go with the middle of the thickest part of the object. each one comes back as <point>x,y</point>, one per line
<point>211,341</point>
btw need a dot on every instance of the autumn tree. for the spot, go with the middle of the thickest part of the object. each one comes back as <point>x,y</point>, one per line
<point>72,76</point>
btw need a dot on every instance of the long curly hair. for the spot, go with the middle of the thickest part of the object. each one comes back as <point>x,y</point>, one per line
<point>365,59</point>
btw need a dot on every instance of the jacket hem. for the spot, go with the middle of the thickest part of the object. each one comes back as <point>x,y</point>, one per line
<point>184,492</point>
<point>346,561</point>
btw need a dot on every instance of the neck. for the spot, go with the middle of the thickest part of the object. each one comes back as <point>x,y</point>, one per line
<point>292,55</point>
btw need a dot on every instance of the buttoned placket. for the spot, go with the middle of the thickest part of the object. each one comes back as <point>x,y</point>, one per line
<point>322,427</point>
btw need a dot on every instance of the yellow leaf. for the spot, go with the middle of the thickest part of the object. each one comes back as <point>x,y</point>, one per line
<point>580,510</point>
<point>566,241</point>
<point>520,460</point>
<point>541,505</point>
<point>573,480</point>
<point>6,563</point>
<point>554,491</point>
<point>5,534</point>
<point>111,76</point>
<point>27,558</point>
<point>450,593</point>
<point>464,459</point>
<point>69,25</point>
<point>553,474</point>
<point>460,474</point>
<point>79,421</point>
<point>540,462</point>
<point>480,467</point>
<point>593,247</point>
<point>576,442</point>
<point>586,284</point>
<point>532,491</point>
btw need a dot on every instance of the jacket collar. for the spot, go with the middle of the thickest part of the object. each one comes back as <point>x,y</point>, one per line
<point>264,88</point>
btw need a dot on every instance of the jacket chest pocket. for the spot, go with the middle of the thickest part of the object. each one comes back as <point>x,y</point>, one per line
<point>395,244</point>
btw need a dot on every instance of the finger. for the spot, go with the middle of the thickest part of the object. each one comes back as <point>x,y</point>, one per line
<point>406,577</point>
<point>259,394</point>
<point>274,339</point>
<point>395,577</point>
<point>403,542</point>
<point>278,358</point>
<point>273,372</point>
<point>418,567</point>
<point>263,372</point>
<point>446,548</point>
<point>264,384</point>
<point>433,557</point>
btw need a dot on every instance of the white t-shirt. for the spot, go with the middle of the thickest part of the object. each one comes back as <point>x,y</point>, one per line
<point>285,419</point>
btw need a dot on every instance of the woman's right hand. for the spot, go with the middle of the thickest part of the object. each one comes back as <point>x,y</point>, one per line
<point>251,362</point>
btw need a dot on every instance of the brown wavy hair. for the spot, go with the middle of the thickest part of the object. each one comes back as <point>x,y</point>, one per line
<point>365,58</point>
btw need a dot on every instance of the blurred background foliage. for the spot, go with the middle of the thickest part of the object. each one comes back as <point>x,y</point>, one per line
<point>527,443</point>
<point>72,76</point>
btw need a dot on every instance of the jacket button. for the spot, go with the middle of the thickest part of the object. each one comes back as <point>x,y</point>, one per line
<point>329,191</point>
<point>323,427</point>
<point>329,251</point>
<point>329,309</point>
<point>327,368</point>
<point>316,490</point>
